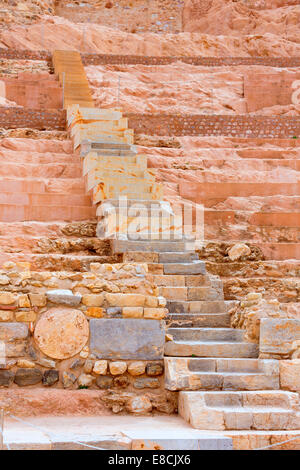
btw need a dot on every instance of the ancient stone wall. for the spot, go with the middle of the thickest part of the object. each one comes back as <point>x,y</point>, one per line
<point>60,328</point>
<point>103,59</point>
<point>235,126</point>
<point>12,118</point>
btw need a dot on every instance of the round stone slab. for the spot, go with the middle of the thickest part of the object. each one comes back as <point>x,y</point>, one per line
<point>61,332</point>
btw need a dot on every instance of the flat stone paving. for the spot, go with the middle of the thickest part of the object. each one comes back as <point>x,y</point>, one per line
<point>110,432</point>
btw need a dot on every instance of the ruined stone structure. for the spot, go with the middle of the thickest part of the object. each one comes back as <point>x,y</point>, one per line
<point>110,300</point>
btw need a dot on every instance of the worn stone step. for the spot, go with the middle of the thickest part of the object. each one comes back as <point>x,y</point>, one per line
<point>184,257</point>
<point>196,267</point>
<point>37,158</point>
<point>206,306</point>
<point>45,199</point>
<point>192,293</point>
<point>42,185</point>
<point>207,334</point>
<point>36,145</point>
<point>224,374</point>
<point>213,320</point>
<point>17,213</point>
<point>264,410</point>
<point>210,348</point>
<point>38,170</point>
<point>124,246</point>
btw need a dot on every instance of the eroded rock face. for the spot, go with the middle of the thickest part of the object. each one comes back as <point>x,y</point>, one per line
<point>61,332</point>
<point>248,314</point>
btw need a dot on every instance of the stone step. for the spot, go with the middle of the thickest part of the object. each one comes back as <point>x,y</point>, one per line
<point>206,306</point>
<point>210,348</point>
<point>210,166</point>
<point>44,199</point>
<point>191,293</point>
<point>207,334</point>
<point>179,280</point>
<point>36,145</point>
<point>195,267</point>
<point>183,257</point>
<point>264,410</point>
<point>37,158</point>
<point>42,185</point>
<point>221,374</point>
<point>29,170</point>
<point>195,320</point>
<point>124,246</point>
<point>18,213</point>
<point>200,192</point>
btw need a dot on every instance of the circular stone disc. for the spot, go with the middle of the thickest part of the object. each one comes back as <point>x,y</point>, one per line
<point>61,332</point>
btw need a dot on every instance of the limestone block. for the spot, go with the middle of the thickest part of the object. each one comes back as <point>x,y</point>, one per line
<point>125,300</point>
<point>115,338</point>
<point>137,368</point>
<point>100,367</point>
<point>117,368</point>
<point>24,316</point>
<point>290,375</point>
<point>277,335</point>
<point>64,296</point>
<point>155,313</point>
<point>6,315</point>
<point>96,312</point>
<point>146,382</point>
<point>13,331</point>
<point>24,301</point>
<point>93,300</point>
<point>38,300</point>
<point>132,312</point>
<point>7,298</point>
<point>61,332</point>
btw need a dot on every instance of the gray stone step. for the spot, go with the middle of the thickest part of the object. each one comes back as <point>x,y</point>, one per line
<point>196,267</point>
<point>124,246</point>
<point>261,410</point>
<point>216,306</point>
<point>183,257</point>
<point>210,349</point>
<point>204,293</point>
<point>224,374</point>
<point>216,320</point>
<point>206,334</point>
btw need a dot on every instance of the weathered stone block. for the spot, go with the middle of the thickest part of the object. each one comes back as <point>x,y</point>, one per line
<point>117,368</point>
<point>37,300</point>
<point>13,331</point>
<point>137,368</point>
<point>146,382</point>
<point>114,338</point>
<point>277,335</point>
<point>64,296</point>
<point>24,316</point>
<point>290,375</point>
<point>93,300</point>
<point>104,382</point>
<point>154,368</point>
<point>50,377</point>
<point>6,378</point>
<point>28,377</point>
